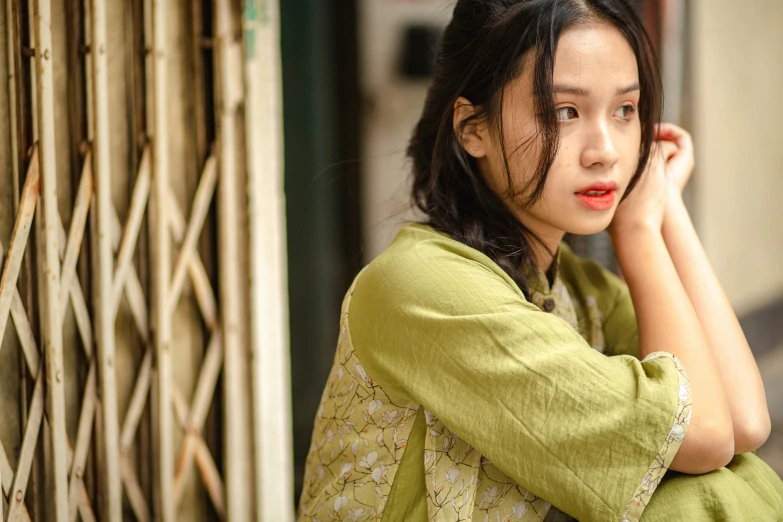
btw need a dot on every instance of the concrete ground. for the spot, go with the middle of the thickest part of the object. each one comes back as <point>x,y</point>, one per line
<point>771,368</point>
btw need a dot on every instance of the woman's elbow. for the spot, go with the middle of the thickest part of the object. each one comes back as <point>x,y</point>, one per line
<point>722,449</point>
<point>751,434</point>
<point>707,447</point>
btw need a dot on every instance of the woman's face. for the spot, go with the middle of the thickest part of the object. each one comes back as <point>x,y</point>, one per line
<point>596,89</point>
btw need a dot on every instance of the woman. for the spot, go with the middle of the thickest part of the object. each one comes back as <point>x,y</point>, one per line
<point>483,371</point>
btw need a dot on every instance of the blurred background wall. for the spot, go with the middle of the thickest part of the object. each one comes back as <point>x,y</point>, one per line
<point>736,67</point>
<point>354,85</point>
<point>737,78</point>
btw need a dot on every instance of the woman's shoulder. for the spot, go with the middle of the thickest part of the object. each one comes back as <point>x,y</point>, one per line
<point>426,269</point>
<point>420,253</point>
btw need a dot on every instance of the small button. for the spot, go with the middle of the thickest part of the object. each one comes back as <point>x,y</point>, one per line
<point>549,304</point>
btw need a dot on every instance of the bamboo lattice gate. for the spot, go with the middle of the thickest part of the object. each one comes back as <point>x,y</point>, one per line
<point>143,365</point>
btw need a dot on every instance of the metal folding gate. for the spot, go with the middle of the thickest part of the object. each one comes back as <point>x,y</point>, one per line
<point>144,367</point>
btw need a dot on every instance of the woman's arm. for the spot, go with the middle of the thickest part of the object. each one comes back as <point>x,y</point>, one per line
<point>739,372</point>
<point>667,321</point>
<point>666,318</point>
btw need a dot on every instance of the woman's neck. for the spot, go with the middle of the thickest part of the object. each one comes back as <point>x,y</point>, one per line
<point>544,250</point>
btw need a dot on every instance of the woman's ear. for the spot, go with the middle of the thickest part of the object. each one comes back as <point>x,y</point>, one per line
<point>470,137</point>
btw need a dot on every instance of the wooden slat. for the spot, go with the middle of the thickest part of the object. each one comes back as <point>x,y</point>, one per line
<point>23,332</point>
<point>134,291</point>
<point>159,223</point>
<point>6,472</point>
<point>185,457</point>
<point>52,335</point>
<point>236,404</point>
<point>80,311</point>
<point>272,423</point>
<point>83,436</point>
<point>192,419</point>
<point>85,509</point>
<point>205,388</point>
<point>138,205</point>
<point>133,490</point>
<point>109,471</point>
<point>17,511</point>
<point>211,477</point>
<point>201,203</point>
<point>12,48</point>
<point>136,408</point>
<point>75,236</point>
<point>205,296</point>
<point>24,220</point>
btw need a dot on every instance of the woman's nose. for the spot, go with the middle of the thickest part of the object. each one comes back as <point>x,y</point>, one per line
<point>599,148</point>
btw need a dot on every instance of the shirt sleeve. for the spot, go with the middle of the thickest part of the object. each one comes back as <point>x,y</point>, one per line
<point>445,327</point>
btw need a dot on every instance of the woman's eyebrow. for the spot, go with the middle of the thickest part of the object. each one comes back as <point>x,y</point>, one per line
<point>578,91</point>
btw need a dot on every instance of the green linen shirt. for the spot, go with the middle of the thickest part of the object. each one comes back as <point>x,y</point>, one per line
<point>454,398</point>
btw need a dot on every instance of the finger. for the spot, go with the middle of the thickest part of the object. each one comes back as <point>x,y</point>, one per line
<point>668,149</point>
<point>674,133</point>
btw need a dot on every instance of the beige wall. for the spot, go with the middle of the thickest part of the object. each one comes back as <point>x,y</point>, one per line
<point>737,120</point>
<point>392,107</point>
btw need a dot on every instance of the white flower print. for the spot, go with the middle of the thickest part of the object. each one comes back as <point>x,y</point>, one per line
<point>355,513</point>
<point>355,447</point>
<point>360,370</point>
<point>430,418</point>
<point>490,494</point>
<point>339,503</point>
<point>648,482</point>
<point>340,373</point>
<point>320,472</point>
<point>685,394</point>
<point>346,468</point>
<point>374,406</point>
<point>378,473</point>
<point>390,416</point>
<point>427,459</point>
<point>519,509</point>
<point>368,460</point>
<point>452,475</point>
<point>678,432</point>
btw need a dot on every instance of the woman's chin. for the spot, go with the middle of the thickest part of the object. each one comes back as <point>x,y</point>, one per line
<point>589,228</point>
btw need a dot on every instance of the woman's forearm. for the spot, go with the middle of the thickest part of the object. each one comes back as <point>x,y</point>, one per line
<point>738,370</point>
<point>668,322</point>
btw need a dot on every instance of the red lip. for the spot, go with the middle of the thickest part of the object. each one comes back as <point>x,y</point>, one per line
<point>602,201</point>
<point>599,186</point>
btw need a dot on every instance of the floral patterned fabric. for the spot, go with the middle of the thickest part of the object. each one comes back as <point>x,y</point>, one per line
<point>370,406</point>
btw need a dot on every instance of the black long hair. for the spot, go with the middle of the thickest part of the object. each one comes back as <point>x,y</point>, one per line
<point>481,50</point>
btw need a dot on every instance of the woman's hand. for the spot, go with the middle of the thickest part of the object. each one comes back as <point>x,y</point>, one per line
<point>646,204</point>
<point>679,160</point>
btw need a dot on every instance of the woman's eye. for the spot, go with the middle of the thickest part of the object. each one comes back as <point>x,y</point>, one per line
<point>566,113</point>
<point>626,111</point>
